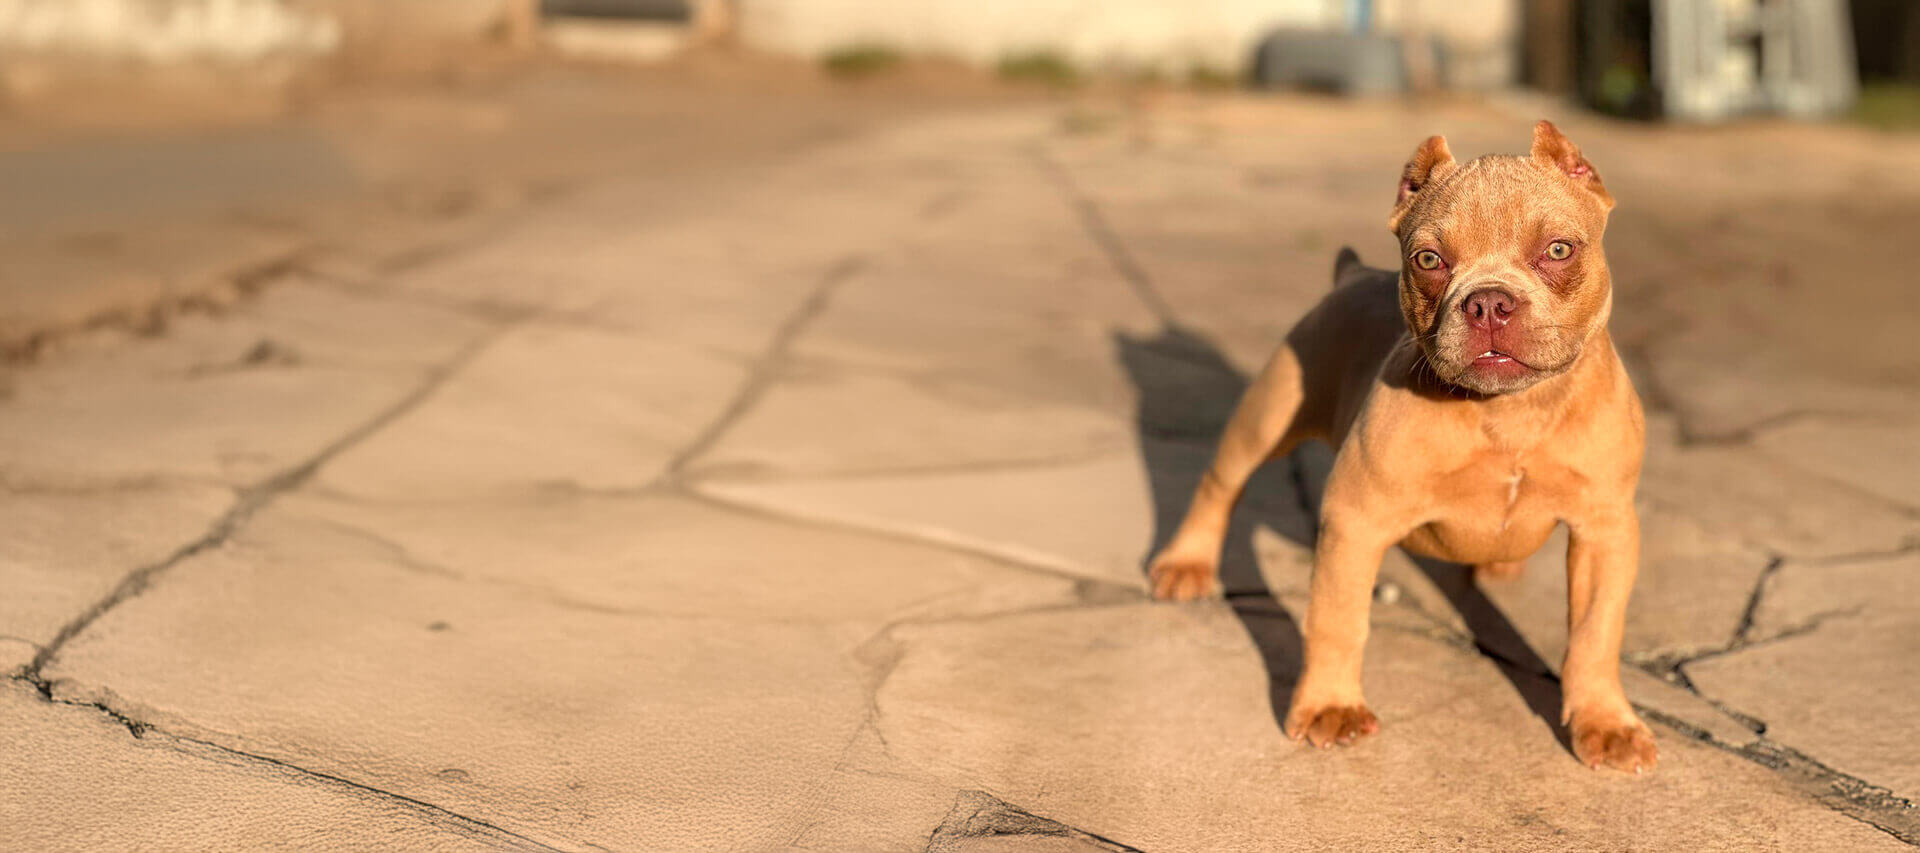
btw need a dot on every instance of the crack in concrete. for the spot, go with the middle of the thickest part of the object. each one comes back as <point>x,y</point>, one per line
<point>1103,235</point>
<point>767,367</point>
<point>535,491</point>
<point>249,502</point>
<point>1672,668</point>
<point>12,484</point>
<point>405,559</point>
<point>1659,398</point>
<point>1910,546</point>
<point>1745,629</point>
<point>1855,797</point>
<point>486,229</point>
<point>977,814</point>
<point>151,317</point>
<point>1671,665</point>
<point>1748,433</point>
<point>488,310</point>
<point>439,815</point>
<point>482,309</point>
<point>1850,795</point>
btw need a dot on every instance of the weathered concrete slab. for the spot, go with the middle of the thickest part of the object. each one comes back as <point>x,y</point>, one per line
<point>1802,594</point>
<point>1089,518</point>
<point>231,399</point>
<point>237,428</point>
<point>1831,642</point>
<point>63,550</point>
<point>1767,391</point>
<point>866,805</point>
<point>16,653</point>
<point>1026,308</point>
<point>666,556</point>
<point>313,646</point>
<point>1766,501</point>
<point>76,780</point>
<point>1147,723</point>
<point>546,405</point>
<point>304,319</point>
<point>715,258</point>
<point>1691,593</point>
<point>840,424</point>
<point>1876,458</point>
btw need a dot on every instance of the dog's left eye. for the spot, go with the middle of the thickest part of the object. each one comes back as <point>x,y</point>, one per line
<point>1559,250</point>
<point>1427,259</point>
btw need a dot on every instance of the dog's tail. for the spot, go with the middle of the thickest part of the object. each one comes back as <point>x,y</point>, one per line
<point>1347,267</point>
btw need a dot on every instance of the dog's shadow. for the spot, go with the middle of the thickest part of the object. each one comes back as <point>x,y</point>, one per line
<point>1186,391</point>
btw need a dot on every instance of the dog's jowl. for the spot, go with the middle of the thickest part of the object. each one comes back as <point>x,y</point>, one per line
<point>1475,401</point>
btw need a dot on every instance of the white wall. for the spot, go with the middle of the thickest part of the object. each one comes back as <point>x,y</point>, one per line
<point>1168,35</point>
<point>1482,37</point>
<point>1171,35</point>
<point>413,24</point>
<point>164,30</point>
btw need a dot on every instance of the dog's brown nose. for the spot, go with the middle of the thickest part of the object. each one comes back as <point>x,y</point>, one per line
<point>1488,309</point>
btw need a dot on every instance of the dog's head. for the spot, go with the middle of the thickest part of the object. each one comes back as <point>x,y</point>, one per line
<point>1502,280</point>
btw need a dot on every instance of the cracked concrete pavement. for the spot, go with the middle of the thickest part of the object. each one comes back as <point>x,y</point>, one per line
<point>801,504</point>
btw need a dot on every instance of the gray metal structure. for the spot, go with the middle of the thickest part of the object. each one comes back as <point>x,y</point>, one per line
<point>1715,59</point>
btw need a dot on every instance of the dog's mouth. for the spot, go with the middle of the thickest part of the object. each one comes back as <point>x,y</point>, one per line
<point>1501,368</point>
<point>1496,359</point>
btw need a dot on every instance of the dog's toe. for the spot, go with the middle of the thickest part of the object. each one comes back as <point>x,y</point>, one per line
<point>1183,580</point>
<point>1622,745</point>
<point>1339,724</point>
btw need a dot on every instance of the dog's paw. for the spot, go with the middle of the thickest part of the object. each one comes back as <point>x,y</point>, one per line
<point>1326,725</point>
<point>1622,743</point>
<point>1503,571</point>
<point>1183,579</point>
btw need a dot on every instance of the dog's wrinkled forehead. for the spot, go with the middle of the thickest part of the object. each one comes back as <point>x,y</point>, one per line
<point>1499,200</point>
<point>1552,187</point>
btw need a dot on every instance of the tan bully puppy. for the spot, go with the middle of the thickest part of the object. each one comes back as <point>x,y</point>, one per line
<point>1475,400</point>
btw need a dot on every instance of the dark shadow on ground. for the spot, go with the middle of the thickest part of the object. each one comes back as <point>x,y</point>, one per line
<point>1186,390</point>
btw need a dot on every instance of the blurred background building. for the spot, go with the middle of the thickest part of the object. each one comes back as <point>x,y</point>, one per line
<point>1683,59</point>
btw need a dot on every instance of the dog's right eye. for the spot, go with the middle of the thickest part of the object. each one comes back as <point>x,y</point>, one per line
<point>1428,259</point>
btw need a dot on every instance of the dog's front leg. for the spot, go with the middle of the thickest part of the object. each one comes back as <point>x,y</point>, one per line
<point>1603,556</point>
<point>1263,426</point>
<point>1327,705</point>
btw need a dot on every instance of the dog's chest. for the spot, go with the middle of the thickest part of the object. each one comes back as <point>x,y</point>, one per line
<point>1500,506</point>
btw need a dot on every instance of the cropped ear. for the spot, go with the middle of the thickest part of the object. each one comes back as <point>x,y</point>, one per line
<point>1553,148</point>
<point>1431,162</point>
